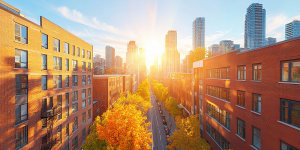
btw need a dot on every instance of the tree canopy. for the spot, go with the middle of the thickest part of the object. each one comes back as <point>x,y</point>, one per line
<point>196,55</point>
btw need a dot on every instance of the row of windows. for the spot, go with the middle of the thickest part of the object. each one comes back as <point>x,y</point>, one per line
<point>21,35</point>
<point>219,139</point>
<point>220,115</point>
<point>222,93</point>
<point>221,73</point>
<point>57,81</point>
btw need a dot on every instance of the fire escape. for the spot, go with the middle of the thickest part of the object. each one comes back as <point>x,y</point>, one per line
<point>48,114</point>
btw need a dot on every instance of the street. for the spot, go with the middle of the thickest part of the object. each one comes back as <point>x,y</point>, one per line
<point>157,127</point>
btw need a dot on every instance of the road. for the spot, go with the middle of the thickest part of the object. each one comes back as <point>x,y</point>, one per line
<point>158,133</point>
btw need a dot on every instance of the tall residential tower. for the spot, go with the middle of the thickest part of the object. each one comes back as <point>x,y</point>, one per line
<point>110,56</point>
<point>292,29</point>
<point>171,56</point>
<point>199,32</point>
<point>255,26</point>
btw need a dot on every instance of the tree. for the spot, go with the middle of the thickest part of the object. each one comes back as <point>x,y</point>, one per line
<point>164,94</point>
<point>196,55</point>
<point>134,99</point>
<point>187,136</point>
<point>110,71</point>
<point>143,90</point>
<point>125,128</point>
<point>92,142</point>
<point>172,106</point>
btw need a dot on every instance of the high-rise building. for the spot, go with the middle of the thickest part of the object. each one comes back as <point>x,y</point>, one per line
<point>199,32</point>
<point>225,46</point>
<point>292,29</point>
<point>132,60</point>
<point>110,56</point>
<point>235,46</point>
<point>119,62</point>
<point>255,26</point>
<point>99,64</point>
<point>171,56</point>
<point>270,40</point>
<point>214,48</point>
<point>45,84</point>
<point>142,66</point>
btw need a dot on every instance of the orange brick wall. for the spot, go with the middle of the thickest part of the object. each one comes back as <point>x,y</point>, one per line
<point>34,72</point>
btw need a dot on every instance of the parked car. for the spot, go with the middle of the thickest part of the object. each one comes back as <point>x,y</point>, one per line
<point>165,122</point>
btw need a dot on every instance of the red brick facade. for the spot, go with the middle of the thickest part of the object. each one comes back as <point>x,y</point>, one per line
<point>33,73</point>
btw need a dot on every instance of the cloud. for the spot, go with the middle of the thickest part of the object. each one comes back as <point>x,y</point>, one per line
<point>217,35</point>
<point>78,17</point>
<point>276,22</point>
<point>242,33</point>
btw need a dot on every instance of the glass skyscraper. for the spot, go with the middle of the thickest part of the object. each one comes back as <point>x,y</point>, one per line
<point>255,26</point>
<point>292,29</point>
<point>199,32</point>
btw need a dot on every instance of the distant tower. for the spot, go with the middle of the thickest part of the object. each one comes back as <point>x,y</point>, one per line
<point>110,56</point>
<point>270,40</point>
<point>225,46</point>
<point>171,56</point>
<point>199,32</point>
<point>292,29</point>
<point>214,48</point>
<point>255,26</point>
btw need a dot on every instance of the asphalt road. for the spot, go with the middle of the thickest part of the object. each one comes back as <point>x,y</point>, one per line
<point>157,127</point>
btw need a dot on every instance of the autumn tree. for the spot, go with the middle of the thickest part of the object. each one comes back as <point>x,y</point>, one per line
<point>187,135</point>
<point>92,141</point>
<point>110,71</point>
<point>196,55</point>
<point>134,99</point>
<point>143,90</point>
<point>172,106</point>
<point>125,128</point>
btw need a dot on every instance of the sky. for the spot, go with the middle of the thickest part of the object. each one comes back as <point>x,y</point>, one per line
<point>117,22</point>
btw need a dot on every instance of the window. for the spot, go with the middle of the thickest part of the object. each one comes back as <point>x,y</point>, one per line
<point>89,92</point>
<point>89,67</point>
<point>222,93</point>
<point>83,104</point>
<point>256,137</point>
<point>83,79</point>
<point>257,72</point>
<point>74,96</point>
<point>75,143</point>
<point>241,72</point>
<point>73,50</point>
<point>57,63</point>
<point>89,79</point>
<point>58,135</point>
<point>89,55</point>
<point>83,66</point>
<point>103,84</point>
<point>83,53</point>
<point>84,118</point>
<point>257,103</point>
<point>83,134</point>
<point>241,128</point>
<point>59,104</point>
<point>90,101</point>
<point>241,98</point>
<point>290,112</point>
<point>44,40</point>
<point>75,124</point>
<point>66,48</point>
<point>44,82</point>
<point>67,81</point>
<point>78,51</point>
<point>21,33</point>
<point>74,80</point>
<point>285,146</point>
<point>44,62</point>
<point>217,137</point>
<point>67,130</point>
<point>220,73</point>
<point>75,108</point>
<point>89,114</point>
<point>67,98</point>
<point>56,44</point>
<point>57,81</point>
<point>83,93</point>
<point>21,137</point>
<point>67,111</point>
<point>75,67</point>
<point>219,115</point>
<point>21,109</point>
<point>21,59</point>
<point>67,64</point>
<point>290,71</point>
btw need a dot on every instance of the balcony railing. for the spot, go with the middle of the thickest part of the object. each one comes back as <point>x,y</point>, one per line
<point>50,112</point>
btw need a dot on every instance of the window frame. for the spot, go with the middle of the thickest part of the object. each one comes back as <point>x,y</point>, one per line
<point>67,64</point>
<point>240,71</point>
<point>74,96</point>
<point>253,128</point>
<point>83,118</point>
<point>66,48</point>
<point>21,139</point>
<point>58,83</point>
<point>239,98</point>
<point>57,63</point>
<point>43,44</point>
<point>74,78</point>
<point>67,81</point>
<point>74,108</point>
<point>75,66</point>
<point>258,101</point>
<point>78,51</point>
<point>83,53</point>
<point>67,98</point>
<point>73,50</point>
<point>83,77</point>
<point>289,109</point>
<point>256,74</point>
<point>289,70</point>
<point>20,62</point>
<point>289,147</point>
<point>22,38</point>
<point>44,66</point>
<point>83,66</point>
<point>89,67</point>
<point>89,79</point>
<point>46,85</point>
<point>243,126</point>
<point>75,143</point>
<point>57,46</point>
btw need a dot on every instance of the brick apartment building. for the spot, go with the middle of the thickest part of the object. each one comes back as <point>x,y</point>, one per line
<point>246,99</point>
<point>45,84</point>
<point>251,99</point>
<point>107,90</point>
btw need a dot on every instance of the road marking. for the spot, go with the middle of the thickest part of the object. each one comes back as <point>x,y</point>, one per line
<point>160,137</point>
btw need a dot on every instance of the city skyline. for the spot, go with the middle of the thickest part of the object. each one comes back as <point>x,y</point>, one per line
<point>99,29</point>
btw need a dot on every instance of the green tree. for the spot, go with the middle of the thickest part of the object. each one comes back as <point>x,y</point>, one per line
<point>143,90</point>
<point>196,55</point>
<point>187,135</point>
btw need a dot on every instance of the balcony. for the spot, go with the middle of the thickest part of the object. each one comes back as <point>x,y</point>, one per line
<point>48,145</point>
<point>50,112</point>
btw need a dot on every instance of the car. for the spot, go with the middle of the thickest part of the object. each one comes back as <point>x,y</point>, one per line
<point>165,122</point>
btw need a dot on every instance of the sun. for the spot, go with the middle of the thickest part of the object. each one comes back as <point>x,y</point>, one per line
<point>152,49</point>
